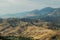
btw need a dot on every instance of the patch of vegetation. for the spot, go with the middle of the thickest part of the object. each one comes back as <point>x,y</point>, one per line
<point>14,38</point>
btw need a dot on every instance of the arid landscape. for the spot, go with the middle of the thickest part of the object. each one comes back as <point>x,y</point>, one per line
<point>32,25</point>
<point>28,29</point>
<point>29,19</point>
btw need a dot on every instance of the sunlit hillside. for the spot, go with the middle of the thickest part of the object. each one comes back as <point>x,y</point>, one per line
<point>34,30</point>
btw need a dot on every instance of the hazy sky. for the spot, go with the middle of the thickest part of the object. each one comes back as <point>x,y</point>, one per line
<point>16,6</point>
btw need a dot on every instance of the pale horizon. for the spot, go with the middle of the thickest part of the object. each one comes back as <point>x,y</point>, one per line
<point>16,6</point>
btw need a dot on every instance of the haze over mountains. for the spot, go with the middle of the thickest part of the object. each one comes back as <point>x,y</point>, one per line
<point>48,11</point>
<point>47,14</point>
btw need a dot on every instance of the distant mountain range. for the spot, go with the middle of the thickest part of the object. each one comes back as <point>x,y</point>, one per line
<point>48,11</point>
<point>48,14</point>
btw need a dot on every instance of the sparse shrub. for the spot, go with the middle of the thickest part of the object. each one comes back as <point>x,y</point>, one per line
<point>13,22</point>
<point>14,38</point>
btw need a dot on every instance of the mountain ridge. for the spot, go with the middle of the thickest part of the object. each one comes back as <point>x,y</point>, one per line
<point>37,12</point>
